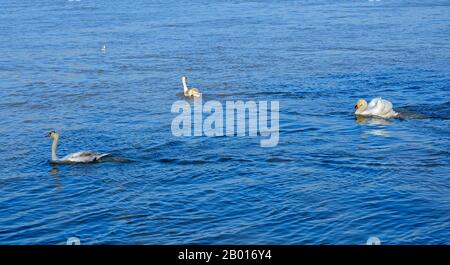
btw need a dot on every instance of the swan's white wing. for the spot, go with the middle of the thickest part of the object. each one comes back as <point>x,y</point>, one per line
<point>193,92</point>
<point>381,107</point>
<point>387,107</point>
<point>373,103</point>
<point>83,157</point>
<point>384,108</point>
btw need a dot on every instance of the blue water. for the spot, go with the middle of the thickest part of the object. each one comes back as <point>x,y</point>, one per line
<point>332,179</point>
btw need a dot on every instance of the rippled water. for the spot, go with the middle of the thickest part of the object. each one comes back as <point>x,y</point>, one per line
<point>332,179</point>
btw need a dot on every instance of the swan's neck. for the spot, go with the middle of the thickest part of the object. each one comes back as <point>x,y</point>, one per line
<point>185,88</point>
<point>55,143</point>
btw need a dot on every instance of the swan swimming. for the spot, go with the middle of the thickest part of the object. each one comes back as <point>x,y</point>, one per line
<point>377,107</point>
<point>189,92</point>
<point>78,157</point>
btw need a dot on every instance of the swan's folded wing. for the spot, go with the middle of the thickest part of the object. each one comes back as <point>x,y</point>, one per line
<point>386,107</point>
<point>83,156</point>
<point>375,106</point>
<point>373,103</point>
<point>99,156</point>
<point>381,107</point>
<point>193,92</point>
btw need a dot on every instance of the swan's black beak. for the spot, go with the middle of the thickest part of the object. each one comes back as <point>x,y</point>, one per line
<point>356,107</point>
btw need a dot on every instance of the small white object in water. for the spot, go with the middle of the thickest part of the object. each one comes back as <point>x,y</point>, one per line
<point>103,49</point>
<point>73,241</point>
<point>373,240</point>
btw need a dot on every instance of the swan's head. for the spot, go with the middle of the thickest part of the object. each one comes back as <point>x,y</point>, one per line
<point>184,78</point>
<point>360,106</point>
<point>52,134</point>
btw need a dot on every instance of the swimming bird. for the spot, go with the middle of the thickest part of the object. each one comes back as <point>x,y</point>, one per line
<point>78,157</point>
<point>189,92</point>
<point>377,107</point>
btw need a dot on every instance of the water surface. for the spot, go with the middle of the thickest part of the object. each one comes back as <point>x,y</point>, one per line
<point>332,179</point>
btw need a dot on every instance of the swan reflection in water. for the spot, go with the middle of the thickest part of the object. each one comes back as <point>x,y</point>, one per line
<point>55,174</point>
<point>374,121</point>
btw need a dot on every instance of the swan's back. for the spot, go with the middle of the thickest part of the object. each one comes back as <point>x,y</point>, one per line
<point>192,92</point>
<point>83,157</point>
<point>380,107</point>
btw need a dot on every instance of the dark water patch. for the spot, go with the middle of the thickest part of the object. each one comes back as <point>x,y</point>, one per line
<point>192,162</point>
<point>279,160</point>
<point>168,160</point>
<point>426,111</point>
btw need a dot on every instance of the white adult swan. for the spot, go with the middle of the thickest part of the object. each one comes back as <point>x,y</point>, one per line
<point>78,157</point>
<point>189,92</point>
<point>377,107</point>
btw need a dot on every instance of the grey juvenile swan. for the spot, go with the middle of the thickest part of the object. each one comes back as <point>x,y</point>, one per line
<point>78,157</point>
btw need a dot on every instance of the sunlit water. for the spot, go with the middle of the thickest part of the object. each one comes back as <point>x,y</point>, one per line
<point>104,74</point>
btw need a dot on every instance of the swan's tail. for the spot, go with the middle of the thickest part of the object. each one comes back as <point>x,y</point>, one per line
<point>100,156</point>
